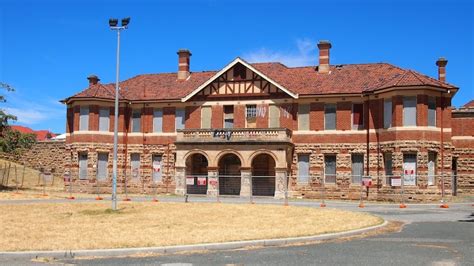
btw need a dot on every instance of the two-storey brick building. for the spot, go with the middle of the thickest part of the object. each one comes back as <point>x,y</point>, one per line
<point>263,128</point>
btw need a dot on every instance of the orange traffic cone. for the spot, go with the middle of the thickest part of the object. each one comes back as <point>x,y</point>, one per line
<point>402,206</point>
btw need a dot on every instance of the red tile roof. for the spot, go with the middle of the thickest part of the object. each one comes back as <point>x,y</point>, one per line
<point>352,78</point>
<point>470,104</point>
<point>40,134</point>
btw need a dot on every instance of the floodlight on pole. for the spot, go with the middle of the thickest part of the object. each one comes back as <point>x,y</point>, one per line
<point>113,23</point>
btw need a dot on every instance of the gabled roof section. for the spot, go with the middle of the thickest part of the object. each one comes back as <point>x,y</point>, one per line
<point>229,66</point>
<point>101,91</point>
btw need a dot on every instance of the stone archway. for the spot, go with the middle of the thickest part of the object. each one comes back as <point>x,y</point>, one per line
<point>263,175</point>
<point>229,174</point>
<point>196,169</point>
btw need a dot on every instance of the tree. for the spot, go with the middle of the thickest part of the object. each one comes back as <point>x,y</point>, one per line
<point>13,140</point>
<point>4,117</point>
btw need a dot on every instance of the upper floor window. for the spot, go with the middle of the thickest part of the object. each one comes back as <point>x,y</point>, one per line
<point>387,113</point>
<point>179,118</point>
<point>409,111</point>
<point>274,116</point>
<point>358,116</point>
<point>303,117</point>
<point>84,118</point>
<point>206,117</point>
<point>104,119</point>
<point>330,116</point>
<point>136,120</point>
<point>228,116</point>
<point>431,111</point>
<point>251,115</point>
<point>158,120</point>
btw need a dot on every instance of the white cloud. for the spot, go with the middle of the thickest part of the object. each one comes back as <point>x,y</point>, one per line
<point>304,56</point>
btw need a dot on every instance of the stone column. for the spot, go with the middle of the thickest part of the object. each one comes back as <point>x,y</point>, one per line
<point>212,182</point>
<point>280,183</point>
<point>180,180</point>
<point>245,182</point>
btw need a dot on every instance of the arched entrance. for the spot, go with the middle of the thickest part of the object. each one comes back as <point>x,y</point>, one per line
<point>196,170</point>
<point>263,175</point>
<point>229,175</point>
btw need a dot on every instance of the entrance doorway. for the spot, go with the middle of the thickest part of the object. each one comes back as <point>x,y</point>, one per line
<point>196,174</point>
<point>263,175</point>
<point>229,175</point>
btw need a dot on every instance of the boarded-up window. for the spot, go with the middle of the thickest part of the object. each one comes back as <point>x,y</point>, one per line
<point>251,115</point>
<point>104,118</point>
<point>330,168</point>
<point>206,117</point>
<point>431,111</point>
<point>228,116</point>
<point>158,120</point>
<point>409,169</point>
<point>157,168</point>
<point>387,113</point>
<point>303,117</point>
<point>303,168</point>
<point>136,120</point>
<point>431,168</point>
<point>330,117</point>
<point>387,162</point>
<point>409,111</point>
<point>357,168</point>
<point>82,165</point>
<point>357,116</point>
<point>135,165</point>
<point>102,161</point>
<point>84,118</point>
<point>179,118</point>
<point>274,116</point>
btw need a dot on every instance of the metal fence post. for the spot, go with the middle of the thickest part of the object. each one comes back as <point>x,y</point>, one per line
<point>361,202</point>
<point>16,180</point>
<point>402,192</point>
<point>23,176</point>
<point>323,192</point>
<point>251,189</point>
<point>8,173</point>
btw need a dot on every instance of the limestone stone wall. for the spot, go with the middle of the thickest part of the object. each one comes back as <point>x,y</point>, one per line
<point>46,155</point>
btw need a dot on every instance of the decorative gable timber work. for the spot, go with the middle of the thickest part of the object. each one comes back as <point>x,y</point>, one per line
<point>239,79</point>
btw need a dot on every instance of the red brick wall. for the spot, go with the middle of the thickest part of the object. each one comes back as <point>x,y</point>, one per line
<point>70,120</point>
<point>93,117</point>
<point>112,119</point>
<point>288,116</point>
<point>422,110</point>
<point>217,117</point>
<point>193,117</point>
<point>447,112</point>
<point>343,116</point>
<point>397,114</point>
<point>239,116</point>
<point>77,110</point>
<point>169,119</point>
<point>316,116</point>
<point>375,113</point>
<point>262,115</point>
<point>463,126</point>
<point>147,120</point>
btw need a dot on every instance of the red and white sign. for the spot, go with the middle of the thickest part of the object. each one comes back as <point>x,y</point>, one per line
<point>396,181</point>
<point>156,167</point>
<point>190,180</point>
<point>212,182</point>
<point>367,181</point>
<point>201,181</point>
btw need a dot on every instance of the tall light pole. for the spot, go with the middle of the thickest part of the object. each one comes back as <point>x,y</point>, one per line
<point>113,23</point>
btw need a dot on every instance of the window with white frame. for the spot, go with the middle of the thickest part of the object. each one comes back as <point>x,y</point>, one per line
<point>104,119</point>
<point>431,111</point>
<point>251,115</point>
<point>136,120</point>
<point>228,116</point>
<point>387,113</point>
<point>179,118</point>
<point>84,118</point>
<point>303,117</point>
<point>158,120</point>
<point>303,168</point>
<point>409,111</point>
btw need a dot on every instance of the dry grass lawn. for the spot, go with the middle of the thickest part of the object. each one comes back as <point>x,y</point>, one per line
<point>46,226</point>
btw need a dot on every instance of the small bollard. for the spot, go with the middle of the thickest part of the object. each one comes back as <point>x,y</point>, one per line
<point>186,198</point>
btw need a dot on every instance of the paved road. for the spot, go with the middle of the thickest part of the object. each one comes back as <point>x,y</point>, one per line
<point>431,236</point>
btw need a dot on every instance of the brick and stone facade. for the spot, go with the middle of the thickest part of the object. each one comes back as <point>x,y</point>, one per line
<point>267,115</point>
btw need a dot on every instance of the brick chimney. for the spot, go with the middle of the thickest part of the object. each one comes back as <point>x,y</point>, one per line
<point>93,79</point>
<point>183,64</point>
<point>441,63</point>
<point>324,47</point>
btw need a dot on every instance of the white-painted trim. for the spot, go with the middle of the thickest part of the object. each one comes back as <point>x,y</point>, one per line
<point>229,66</point>
<point>134,134</point>
<point>462,137</point>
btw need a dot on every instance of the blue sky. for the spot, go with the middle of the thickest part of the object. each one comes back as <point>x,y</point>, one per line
<point>48,48</point>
